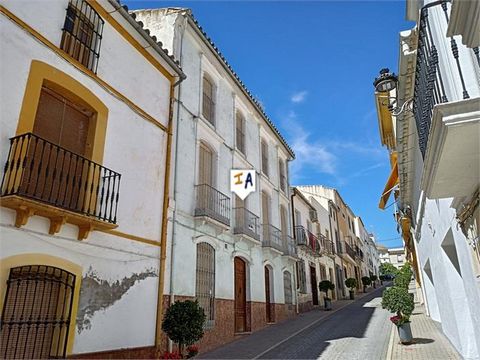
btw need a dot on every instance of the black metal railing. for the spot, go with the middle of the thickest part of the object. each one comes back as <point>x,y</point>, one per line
<point>306,238</point>
<point>430,80</point>
<point>246,223</point>
<point>347,249</point>
<point>212,203</point>
<point>290,247</point>
<point>272,237</point>
<point>40,170</point>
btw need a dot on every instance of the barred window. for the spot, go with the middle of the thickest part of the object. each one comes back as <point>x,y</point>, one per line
<point>82,33</point>
<point>36,315</point>
<point>287,287</point>
<point>264,157</point>
<point>301,276</point>
<point>205,281</point>
<point>240,132</point>
<point>208,108</point>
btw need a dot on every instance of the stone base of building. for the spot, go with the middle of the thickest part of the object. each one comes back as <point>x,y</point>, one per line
<point>147,352</point>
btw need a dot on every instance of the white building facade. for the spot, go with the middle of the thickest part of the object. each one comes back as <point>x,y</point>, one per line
<point>438,163</point>
<point>236,257</point>
<point>82,193</point>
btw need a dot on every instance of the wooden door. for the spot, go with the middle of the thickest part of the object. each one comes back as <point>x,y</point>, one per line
<point>58,122</point>
<point>268,298</point>
<point>313,281</point>
<point>240,295</point>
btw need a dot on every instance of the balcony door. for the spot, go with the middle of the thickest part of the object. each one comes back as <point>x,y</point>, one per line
<point>283,225</point>
<point>55,160</point>
<point>265,216</point>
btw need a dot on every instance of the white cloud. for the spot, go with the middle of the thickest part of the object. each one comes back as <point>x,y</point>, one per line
<point>299,97</point>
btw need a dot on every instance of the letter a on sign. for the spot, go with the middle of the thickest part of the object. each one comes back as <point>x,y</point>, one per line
<point>242,182</point>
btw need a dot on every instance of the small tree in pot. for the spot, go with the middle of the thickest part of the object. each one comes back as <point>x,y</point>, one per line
<point>373,278</point>
<point>183,323</point>
<point>366,281</point>
<point>351,283</point>
<point>397,300</point>
<point>324,286</point>
<point>404,276</point>
<point>382,279</point>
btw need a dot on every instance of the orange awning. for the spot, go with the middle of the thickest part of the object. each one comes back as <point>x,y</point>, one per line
<point>391,183</point>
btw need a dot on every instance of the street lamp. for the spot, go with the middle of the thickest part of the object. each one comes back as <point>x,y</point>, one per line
<point>386,82</point>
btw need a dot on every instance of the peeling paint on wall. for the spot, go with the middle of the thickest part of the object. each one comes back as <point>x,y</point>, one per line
<point>97,294</point>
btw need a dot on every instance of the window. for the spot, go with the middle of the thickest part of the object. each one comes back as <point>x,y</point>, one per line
<point>264,157</point>
<point>36,313</point>
<point>82,33</point>
<point>302,280</point>
<point>287,287</point>
<point>240,132</point>
<point>208,109</point>
<point>206,165</point>
<point>205,280</point>
<point>283,178</point>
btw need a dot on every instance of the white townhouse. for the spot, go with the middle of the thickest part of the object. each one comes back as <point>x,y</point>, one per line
<point>86,118</point>
<point>315,250</point>
<point>436,102</point>
<point>237,258</point>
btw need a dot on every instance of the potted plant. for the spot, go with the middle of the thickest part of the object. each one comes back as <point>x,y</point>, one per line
<point>366,281</point>
<point>324,286</point>
<point>183,323</point>
<point>397,300</point>
<point>351,283</point>
<point>404,276</point>
<point>373,278</point>
<point>382,279</point>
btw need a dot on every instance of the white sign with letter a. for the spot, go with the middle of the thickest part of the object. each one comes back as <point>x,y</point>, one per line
<point>243,182</point>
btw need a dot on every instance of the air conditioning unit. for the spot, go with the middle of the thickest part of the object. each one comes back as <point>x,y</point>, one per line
<point>313,215</point>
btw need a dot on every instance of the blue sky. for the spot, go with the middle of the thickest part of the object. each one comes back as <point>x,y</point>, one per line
<point>312,64</point>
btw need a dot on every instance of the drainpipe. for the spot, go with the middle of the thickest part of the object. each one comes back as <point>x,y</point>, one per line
<point>293,232</point>
<point>166,195</point>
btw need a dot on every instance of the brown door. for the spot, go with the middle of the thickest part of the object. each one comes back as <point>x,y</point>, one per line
<point>240,295</point>
<point>64,124</point>
<point>270,311</point>
<point>313,281</point>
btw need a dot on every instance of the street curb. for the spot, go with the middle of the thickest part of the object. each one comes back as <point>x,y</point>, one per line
<point>309,326</point>
<point>390,344</point>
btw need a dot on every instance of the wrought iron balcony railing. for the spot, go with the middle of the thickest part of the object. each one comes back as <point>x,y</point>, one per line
<point>212,203</point>
<point>289,245</point>
<point>433,79</point>
<point>272,237</point>
<point>246,223</point>
<point>347,249</point>
<point>40,170</point>
<point>307,239</point>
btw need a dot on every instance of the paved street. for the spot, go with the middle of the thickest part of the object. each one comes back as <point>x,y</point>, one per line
<point>356,330</point>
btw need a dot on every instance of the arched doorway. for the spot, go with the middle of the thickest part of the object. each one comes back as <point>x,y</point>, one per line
<point>240,295</point>
<point>269,304</point>
<point>37,312</point>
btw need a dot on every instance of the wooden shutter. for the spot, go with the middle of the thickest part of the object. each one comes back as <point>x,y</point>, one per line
<point>281,170</point>
<point>240,132</point>
<point>205,166</point>
<point>265,208</point>
<point>264,157</point>
<point>208,109</point>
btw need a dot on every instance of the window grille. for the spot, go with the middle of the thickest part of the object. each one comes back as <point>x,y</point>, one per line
<point>36,313</point>
<point>287,287</point>
<point>208,109</point>
<point>205,281</point>
<point>240,132</point>
<point>302,281</point>
<point>264,157</point>
<point>82,33</point>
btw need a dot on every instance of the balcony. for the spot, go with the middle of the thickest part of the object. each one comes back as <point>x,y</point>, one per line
<point>289,246</point>
<point>446,107</point>
<point>212,204</point>
<point>326,245</point>
<point>348,250</point>
<point>272,237</point>
<point>246,223</point>
<point>308,240</point>
<point>41,178</point>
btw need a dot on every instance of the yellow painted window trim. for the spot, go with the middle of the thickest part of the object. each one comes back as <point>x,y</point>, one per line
<point>79,66</point>
<point>43,259</point>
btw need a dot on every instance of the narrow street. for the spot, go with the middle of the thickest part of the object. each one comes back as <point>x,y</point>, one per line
<point>356,330</point>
